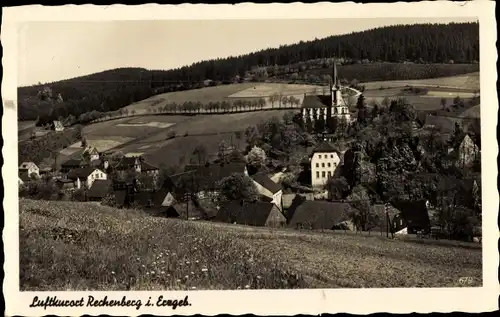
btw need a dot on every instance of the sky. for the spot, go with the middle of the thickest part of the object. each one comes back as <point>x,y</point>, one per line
<point>51,51</point>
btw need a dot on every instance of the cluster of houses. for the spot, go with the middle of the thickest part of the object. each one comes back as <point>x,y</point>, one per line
<point>273,208</point>
<point>89,172</point>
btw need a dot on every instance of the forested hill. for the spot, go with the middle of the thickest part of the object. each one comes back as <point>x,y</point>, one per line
<point>111,90</point>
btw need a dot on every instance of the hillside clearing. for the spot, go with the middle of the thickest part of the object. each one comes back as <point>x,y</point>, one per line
<point>86,246</point>
<point>208,130</point>
<point>468,82</point>
<point>232,92</point>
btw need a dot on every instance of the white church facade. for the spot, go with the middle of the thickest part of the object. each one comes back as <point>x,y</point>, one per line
<point>334,105</point>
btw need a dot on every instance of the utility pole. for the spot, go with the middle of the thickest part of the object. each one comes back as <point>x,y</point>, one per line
<point>386,207</point>
<point>187,197</point>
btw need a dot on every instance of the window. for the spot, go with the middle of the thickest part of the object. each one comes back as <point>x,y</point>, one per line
<point>322,164</point>
<point>320,156</point>
<point>323,174</point>
<point>317,174</point>
<point>317,164</point>
<point>331,155</point>
<point>329,174</point>
<point>329,165</point>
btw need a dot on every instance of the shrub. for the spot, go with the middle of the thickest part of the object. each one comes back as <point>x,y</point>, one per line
<point>79,195</point>
<point>109,200</point>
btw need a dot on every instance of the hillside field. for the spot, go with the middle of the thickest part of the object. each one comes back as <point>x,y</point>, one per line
<point>467,82</point>
<point>231,93</point>
<point>153,142</point>
<point>148,134</point>
<point>86,246</point>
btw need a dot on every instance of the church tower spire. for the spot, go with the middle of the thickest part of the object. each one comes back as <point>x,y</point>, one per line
<point>334,74</point>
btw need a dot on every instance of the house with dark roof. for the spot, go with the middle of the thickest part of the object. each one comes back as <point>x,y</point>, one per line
<point>267,188</point>
<point>412,215</point>
<point>99,189</point>
<point>85,177</point>
<point>92,152</point>
<point>138,164</point>
<point>72,164</point>
<point>30,168</point>
<point>319,214</point>
<point>258,213</point>
<point>324,162</point>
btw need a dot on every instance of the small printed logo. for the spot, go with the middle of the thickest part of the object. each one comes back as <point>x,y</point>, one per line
<point>465,280</point>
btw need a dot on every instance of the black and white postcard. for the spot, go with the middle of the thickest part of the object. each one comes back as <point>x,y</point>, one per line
<point>264,159</point>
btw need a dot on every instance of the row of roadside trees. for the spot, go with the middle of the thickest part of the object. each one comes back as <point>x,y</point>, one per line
<point>274,101</point>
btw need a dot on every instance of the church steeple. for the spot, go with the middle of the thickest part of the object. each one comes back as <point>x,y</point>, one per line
<point>334,74</point>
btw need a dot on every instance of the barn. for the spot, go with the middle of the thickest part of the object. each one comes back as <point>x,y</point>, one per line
<point>257,213</point>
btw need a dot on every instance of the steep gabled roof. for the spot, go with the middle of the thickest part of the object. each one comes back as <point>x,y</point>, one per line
<point>266,182</point>
<point>247,213</point>
<point>319,214</point>
<point>127,162</point>
<point>26,165</point>
<point>72,163</point>
<point>316,101</point>
<point>99,188</point>
<point>414,212</point>
<point>324,147</point>
<point>83,172</point>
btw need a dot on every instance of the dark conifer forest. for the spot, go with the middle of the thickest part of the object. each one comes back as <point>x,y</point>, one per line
<point>451,44</point>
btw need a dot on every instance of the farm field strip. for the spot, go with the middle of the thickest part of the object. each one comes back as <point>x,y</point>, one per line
<point>24,125</point>
<point>152,124</point>
<point>464,82</point>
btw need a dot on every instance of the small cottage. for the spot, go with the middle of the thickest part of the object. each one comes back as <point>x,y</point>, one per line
<point>261,214</point>
<point>316,215</point>
<point>85,177</point>
<point>29,168</point>
<point>99,189</point>
<point>92,152</point>
<point>412,215</point>
<point>72,164</point>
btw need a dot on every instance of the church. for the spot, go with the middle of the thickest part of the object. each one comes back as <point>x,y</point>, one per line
<point>334,105</point>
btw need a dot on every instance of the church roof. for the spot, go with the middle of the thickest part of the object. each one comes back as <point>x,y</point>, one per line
<point>316,101</point>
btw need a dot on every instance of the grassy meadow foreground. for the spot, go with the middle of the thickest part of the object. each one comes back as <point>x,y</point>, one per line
<point>86,246</point>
